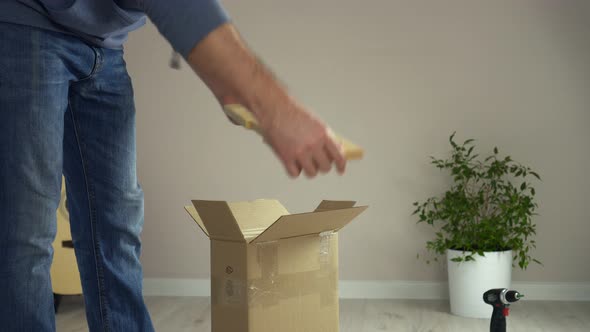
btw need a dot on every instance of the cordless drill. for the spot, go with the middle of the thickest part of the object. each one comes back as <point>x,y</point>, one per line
<point>500,299</point>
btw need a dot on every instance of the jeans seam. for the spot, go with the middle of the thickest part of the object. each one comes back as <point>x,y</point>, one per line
<point>102,299</point>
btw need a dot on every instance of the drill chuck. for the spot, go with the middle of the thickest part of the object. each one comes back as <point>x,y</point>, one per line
<point>500,299</point>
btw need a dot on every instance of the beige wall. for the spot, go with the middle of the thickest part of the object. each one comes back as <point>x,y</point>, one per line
<point>398,77</point>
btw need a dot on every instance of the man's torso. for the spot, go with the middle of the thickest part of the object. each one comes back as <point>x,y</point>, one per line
<point>101,22</point>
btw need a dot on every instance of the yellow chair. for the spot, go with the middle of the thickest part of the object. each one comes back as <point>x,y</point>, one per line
<point>65,277</point>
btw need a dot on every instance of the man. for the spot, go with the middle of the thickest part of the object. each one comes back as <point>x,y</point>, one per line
<point>66,104</point>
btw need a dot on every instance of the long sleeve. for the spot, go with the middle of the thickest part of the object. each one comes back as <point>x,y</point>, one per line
<point>185,22</point>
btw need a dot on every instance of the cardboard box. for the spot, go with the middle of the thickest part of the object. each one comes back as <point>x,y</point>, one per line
<point>272,271</point>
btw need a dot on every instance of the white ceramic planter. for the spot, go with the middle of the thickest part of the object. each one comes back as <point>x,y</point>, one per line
<point>469,280</point>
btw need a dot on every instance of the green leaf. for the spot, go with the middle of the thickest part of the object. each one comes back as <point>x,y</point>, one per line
<point>468,141</point>
<point>535,175</point>
<point>457,259</point>
<point>523,186</point>
<point>496,150</point>
<point>536,261</point>
<point>451,140</point>
<point>533,191</point>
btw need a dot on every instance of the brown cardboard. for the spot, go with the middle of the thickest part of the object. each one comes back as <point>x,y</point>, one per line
<point>308,223</point>
<point>334,205</point>
<point>271,270</point>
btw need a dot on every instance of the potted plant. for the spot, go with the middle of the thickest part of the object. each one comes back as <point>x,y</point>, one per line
<point>483,223</point>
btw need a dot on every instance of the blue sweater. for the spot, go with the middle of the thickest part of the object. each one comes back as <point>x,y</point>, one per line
<point>106,23</point>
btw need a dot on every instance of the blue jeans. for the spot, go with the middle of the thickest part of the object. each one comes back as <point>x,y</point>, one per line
<point>66,106</point>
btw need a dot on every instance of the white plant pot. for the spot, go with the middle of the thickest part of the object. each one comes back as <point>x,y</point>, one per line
<point>469,280</point>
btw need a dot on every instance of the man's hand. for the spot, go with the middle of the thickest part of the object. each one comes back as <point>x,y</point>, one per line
<point>234,75</point>
<point>302,142</point>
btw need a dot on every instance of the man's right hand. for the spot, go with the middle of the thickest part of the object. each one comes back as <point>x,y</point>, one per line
<point>234,75</point>
<point>301,141</point>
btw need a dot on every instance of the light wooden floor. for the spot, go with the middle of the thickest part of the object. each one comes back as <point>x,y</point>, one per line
<point>178,314</point>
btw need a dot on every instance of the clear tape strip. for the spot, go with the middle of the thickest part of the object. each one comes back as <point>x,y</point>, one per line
<point>265,291</point>
<point>228,291</point>
<point>272,288</point>
<point>327,271</point>
<point>325,244</point>
<point>293,285</point>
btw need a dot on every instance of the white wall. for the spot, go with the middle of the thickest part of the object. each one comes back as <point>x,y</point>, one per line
<point>397,77</point>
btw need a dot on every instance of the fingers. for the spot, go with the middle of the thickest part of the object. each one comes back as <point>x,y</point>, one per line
<point>318,159</point>
<point>322,159</point>
<point>304,144</point>
<point>308,165</point>
<point>335,153</point>
<point>293,169</point>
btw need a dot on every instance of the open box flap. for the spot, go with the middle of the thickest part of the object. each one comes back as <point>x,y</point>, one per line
<point>195,215</point>
<point>309,223</point>
<point>254,217</point>
<point>217,220</point>
<point>326,205</point>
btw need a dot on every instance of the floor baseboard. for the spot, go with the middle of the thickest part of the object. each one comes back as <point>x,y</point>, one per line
<point>395,289</point>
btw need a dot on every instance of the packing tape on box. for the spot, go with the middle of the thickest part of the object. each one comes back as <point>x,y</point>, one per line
<point>265,291</point>
<point>325,245</point>
<point>274,287</point>
<point>260,295</point>
<point>325,257</point>
<point>228,291</point>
